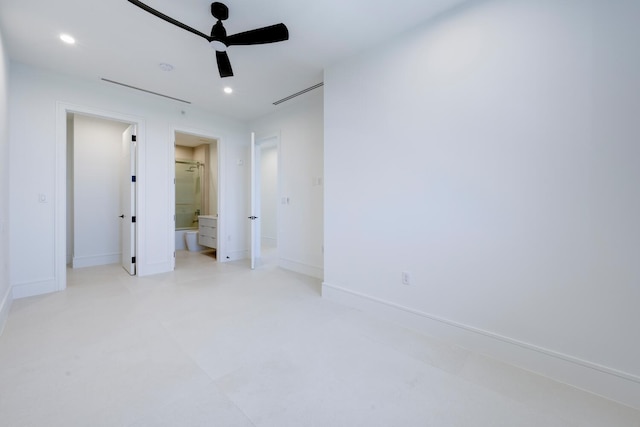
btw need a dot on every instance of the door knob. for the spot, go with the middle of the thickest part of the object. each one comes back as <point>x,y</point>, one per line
<point>122,216</point>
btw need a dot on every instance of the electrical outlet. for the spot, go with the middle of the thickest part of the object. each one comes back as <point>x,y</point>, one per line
<point>406,278</point>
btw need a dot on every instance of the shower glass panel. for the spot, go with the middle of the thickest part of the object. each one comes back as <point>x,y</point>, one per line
<point>188,193</point>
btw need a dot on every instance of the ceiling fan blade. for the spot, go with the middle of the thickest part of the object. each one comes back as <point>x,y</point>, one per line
<point>224,66</point>
<point>270,34</point>
<point>169,19</point>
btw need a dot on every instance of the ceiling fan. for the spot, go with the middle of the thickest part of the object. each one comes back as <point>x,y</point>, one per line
<point>219,39</point>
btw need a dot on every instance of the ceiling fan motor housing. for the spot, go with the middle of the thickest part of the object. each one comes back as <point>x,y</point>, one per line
<point>219,11</point>
<point>218,32</point>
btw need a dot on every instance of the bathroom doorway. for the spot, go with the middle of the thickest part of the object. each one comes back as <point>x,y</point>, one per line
<point>196,194</point>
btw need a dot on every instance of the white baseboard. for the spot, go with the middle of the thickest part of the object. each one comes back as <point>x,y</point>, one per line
<point>24,290</point>
<point>234,256</point>
<point>610,383</point>
<point>5,305</point>
<point>93,260</point>
<point>298,267</point>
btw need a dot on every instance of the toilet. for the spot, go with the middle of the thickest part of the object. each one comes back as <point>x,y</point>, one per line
<point>192,241</point>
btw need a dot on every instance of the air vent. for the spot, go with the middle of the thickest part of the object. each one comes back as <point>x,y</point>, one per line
<point>146,91</point>
<point>299,93</point>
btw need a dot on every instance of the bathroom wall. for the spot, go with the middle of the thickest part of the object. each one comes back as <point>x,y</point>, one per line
<point>184,153</point>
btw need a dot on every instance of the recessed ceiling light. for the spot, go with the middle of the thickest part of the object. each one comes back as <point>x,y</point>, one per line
<point>228,90</point>
<point>166,67</point>
<point>67,39</point>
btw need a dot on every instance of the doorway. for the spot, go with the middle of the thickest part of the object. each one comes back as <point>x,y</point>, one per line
<point>98,161</point>
<point>196,195</point>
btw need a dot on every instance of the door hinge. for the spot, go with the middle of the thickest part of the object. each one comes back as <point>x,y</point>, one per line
<point>133,219</point>
<point>133,178</point>
<point>174,254</point>
<point>133,260</point>
<point>133,138</point>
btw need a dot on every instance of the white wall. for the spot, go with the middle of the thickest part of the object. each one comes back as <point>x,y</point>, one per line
<point>35,98</point>
<point>300,234</point>
<point>5,289</point>
<point>493,154</point>
<point>97,175</point>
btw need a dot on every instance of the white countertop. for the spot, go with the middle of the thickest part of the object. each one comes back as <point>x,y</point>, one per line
<point>208,216</point>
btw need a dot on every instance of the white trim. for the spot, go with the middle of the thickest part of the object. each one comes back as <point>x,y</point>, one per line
<point>5,307</point>
<point>24,290</point>
<point>298,267</point>
<point>93,260</point>
<point>623,387</point>
<point>60,213</point>
<point>222,242</point>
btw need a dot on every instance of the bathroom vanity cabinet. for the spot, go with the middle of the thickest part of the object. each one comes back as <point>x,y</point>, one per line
<point>207,231</point>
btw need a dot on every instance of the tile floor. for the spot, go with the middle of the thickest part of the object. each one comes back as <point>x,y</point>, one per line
<point>214,344</point>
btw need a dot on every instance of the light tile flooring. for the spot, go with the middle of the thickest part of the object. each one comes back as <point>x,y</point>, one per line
<point>216,344</point>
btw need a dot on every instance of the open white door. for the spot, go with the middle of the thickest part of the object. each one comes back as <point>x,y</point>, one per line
<point>128,200</point>
<point>253,217</point>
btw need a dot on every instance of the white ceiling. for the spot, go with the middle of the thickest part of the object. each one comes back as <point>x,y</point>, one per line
<point>118,41</point>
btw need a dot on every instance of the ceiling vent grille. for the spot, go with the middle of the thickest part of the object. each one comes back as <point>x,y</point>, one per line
<point>146,91</point>
<point>299,93</point>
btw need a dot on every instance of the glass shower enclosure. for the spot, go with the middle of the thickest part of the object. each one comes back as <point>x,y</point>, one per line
<point>189,193</point>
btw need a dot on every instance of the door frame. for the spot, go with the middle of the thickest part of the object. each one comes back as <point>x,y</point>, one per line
<point>60,211</point>
<point>221,250</point>
<point>128,200</point>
